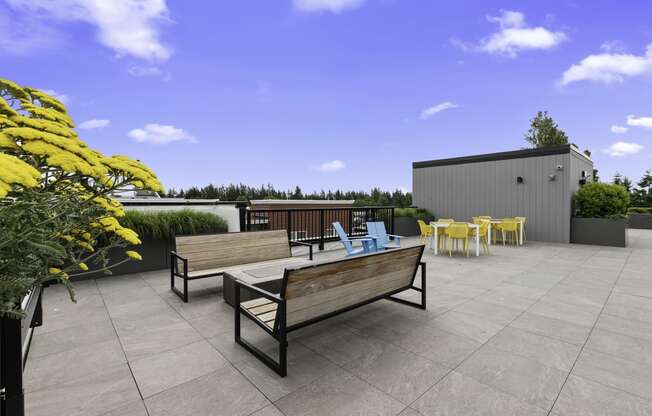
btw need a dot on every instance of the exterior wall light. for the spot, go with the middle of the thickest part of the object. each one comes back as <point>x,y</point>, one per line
<point>519,179</point>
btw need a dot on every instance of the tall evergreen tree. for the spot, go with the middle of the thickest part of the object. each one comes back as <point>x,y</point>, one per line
<point>545,132</point>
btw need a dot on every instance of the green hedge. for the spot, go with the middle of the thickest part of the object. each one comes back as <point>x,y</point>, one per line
<point>601,200</point>
<point>418,213</point>
<point>167,224</point>
<point>640,210</point>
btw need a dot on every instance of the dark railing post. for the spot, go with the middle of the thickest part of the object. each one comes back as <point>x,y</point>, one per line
<point>350,222</point>
<point>289,224</point>
<point>321,229</point>
<point>242,209</point>
<point>392,225</point>
<point>248,224</point>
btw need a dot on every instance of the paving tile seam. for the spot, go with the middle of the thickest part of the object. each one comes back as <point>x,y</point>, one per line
<point>216,349</point>
<point>588,337</point>
<point>486,343</point>
<point>352,375</point>
<point>133,377</point>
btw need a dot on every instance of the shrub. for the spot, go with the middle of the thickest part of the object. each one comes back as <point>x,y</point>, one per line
<point>601,200</point>
<point>640,210</point>
<point>418,213</point>
<point>167,224</point>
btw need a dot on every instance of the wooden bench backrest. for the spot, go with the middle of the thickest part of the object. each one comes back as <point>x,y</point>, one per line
<point>214,251</point>
<point>316,290</point>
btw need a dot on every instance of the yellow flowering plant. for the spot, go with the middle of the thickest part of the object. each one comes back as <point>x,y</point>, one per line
<point>57,214</point>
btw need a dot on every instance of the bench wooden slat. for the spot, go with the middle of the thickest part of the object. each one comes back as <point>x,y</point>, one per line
<point>313,291</point>
<point>255,302</point>
<point>218,251</point>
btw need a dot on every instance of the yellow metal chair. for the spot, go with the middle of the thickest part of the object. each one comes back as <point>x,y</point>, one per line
<point>441,237</point>
<point>508,226</point>
<point>426,231</point>
<point>523,221</point>
<point>483,232</point>
<point>458,231</point>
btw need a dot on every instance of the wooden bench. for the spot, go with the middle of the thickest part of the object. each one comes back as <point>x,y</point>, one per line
<point>202,256</point>
<point>316,292</point>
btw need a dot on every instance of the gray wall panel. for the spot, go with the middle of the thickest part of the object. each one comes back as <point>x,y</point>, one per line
<point>462,191</point>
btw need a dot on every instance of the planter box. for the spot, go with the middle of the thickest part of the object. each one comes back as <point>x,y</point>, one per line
<point>15,340</point>
<point>640,221</point>
<point>599,231</point>
<point>407,226</point>
<point>155,253</point>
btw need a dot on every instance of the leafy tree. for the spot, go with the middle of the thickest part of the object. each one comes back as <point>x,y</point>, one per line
<point>545,132</point>
<point>56,210</point>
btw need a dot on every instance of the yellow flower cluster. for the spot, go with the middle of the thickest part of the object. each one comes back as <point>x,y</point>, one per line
<point>15,171</point>
<point>46,100</point>
<point>111,224</point>
<point>7,143</point>
<point>67,153</point>
<point>111,205</point>
<point>144,178</point>
<point>57,271</point>
<point>133,255</point>
<point>83,266</point>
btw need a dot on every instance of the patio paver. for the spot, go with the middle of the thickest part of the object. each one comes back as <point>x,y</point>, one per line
<point>540,329</point>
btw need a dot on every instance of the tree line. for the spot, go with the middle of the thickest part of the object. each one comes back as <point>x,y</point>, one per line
<point>242,192</point>
<point>640,194</point>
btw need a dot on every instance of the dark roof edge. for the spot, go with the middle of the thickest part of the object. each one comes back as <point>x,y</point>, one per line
<point>490,157</point>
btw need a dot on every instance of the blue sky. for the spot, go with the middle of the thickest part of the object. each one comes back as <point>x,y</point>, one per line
<point>336,93</point>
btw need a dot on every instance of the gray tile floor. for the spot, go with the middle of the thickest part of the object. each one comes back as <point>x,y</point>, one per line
<point>544,329</point>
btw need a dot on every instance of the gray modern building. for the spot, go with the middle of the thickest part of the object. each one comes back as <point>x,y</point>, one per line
<point>535,183</point>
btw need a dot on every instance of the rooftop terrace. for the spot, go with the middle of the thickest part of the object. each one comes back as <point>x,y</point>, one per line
<point>542,329</point>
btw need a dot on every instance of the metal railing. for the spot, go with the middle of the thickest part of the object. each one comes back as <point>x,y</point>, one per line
<point>315,225</point>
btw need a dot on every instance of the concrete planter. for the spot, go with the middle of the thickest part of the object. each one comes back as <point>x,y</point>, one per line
<point>599,231</point>
<point>640,221</point>
<point>407,226</point>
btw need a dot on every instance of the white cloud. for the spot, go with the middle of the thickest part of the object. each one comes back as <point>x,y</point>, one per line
<point>144,71</point>
<point>129,27</point>
<point>161,134</point>
<point>613,46</point>
<point>514,36</point>
<point>609,67</point>
<point>634,121</point>
<point>23,35</point>
<point>431,111</point>
<point>93,124</point>
<point>620,149</point>
<point>332,166</point>
<point>333,6</point>
<point>619,129</point>
<point>64,98</point>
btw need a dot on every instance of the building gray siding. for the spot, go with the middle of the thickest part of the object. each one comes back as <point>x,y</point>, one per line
<point>464,190</point>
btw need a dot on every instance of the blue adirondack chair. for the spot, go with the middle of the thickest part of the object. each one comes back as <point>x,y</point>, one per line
<point>368,244</point>
<point>379,233</point>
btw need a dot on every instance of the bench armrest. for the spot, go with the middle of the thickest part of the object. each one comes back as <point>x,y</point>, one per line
<point>258,291</point>
<point>175,265</point>
<point>301,243</point>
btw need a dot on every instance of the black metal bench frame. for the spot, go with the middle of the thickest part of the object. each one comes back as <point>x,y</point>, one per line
<point>280,330</point>
<point>174,270</point>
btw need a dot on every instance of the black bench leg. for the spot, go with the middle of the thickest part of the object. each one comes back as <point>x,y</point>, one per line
<point>183,295</point>
<point>279,367</point>
<point>421,289</point>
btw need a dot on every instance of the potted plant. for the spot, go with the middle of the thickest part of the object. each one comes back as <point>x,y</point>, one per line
<point>640,217</point>
<point>405,220</point>
<point>600,215</point>
<point>57,216</point>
